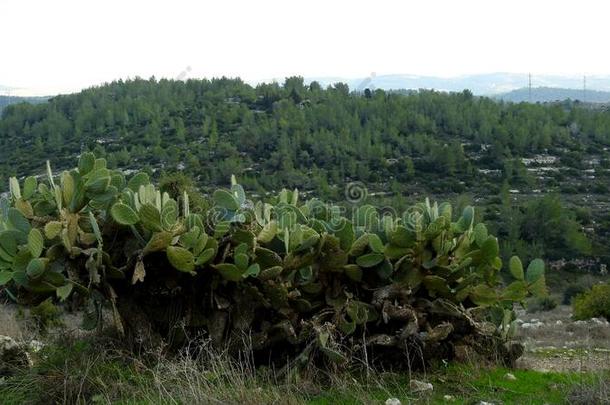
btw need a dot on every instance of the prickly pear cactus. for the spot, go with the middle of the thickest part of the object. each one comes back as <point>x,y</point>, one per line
<point>300,279</point>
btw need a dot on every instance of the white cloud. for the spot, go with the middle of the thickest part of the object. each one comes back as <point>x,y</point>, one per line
<point>64,45</point>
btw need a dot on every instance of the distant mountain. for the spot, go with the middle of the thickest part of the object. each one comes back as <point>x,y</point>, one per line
<point>551,94</point>
<point>6,100</point>
<point>480,84</point>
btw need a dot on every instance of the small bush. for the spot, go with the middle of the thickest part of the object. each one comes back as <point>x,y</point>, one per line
<point>539,304</point>
<point>594,303</point>
<point>572,291</point>
<point>46,315</point>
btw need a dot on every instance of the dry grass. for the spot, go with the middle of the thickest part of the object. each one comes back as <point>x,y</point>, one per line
<point>592,393</point>
<point>96,370</point>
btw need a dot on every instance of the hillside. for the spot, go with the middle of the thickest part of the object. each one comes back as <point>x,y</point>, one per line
<point>397,146</point>
<point>552,94</point>
<point>303,135</point>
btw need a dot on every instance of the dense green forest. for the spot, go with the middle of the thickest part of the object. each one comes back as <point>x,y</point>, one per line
<point>529,165</point>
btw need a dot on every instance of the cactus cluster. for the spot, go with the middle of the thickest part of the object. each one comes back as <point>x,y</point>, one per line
<point>306,277</point>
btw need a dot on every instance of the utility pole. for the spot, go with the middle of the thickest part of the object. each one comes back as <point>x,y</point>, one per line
<point>584,89</point>
<point>530,87</point>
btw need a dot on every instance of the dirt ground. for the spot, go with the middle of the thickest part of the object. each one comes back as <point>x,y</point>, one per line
<point>555,342</point>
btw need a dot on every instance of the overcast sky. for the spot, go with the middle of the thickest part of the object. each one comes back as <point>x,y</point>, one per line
<point>50,46</point>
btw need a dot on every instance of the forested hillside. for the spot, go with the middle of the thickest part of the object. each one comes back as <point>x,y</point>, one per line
<point>309,135</point>
<point>317,139</point>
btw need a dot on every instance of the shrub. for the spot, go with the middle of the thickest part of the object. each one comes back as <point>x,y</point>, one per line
<point>540,304</point>
<point>176,184</point>
<point>289,279</point>
<point>572,291</point>
<point>594,303</point>
<point>46,315</point>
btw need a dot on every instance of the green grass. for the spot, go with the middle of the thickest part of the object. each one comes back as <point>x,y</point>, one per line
<point>491,385</point>
<point>91,372</point>
<point>469,384</point>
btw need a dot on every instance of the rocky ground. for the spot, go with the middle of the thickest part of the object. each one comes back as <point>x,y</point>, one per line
<point>555,342</point>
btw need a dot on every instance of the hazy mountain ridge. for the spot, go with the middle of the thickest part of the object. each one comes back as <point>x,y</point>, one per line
<point>6,100</point>
<point>479,84</point>
<point>553,94</point>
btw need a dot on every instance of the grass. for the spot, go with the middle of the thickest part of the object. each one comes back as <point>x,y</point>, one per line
<point>530,387</point>
<point>468,384</point>
<point>95,371</point>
